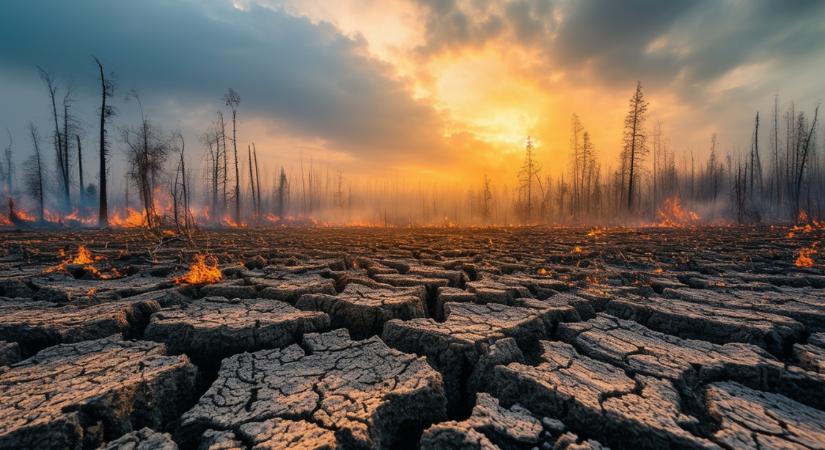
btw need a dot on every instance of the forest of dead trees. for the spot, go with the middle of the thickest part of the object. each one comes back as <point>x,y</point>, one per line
<point>780,175</point>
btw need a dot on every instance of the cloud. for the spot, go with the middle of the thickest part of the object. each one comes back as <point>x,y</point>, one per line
<point>308,77</point>
<point>618,42</point>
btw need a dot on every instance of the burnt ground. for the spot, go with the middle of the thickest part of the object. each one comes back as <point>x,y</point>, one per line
<point>433,338</point>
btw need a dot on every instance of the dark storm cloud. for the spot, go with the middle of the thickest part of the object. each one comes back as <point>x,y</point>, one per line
<point>702,39</point>
<point>309,76</point>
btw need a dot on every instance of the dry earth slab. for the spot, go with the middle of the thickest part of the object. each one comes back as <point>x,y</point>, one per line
<point>213,328</point>
<point>80,395</point>
<point>364,392</point>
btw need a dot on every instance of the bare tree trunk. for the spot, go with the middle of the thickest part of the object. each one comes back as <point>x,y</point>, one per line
<point>257,177</point>
<point>251,178</point>
<point>80,171</point>
<point>105,111</point>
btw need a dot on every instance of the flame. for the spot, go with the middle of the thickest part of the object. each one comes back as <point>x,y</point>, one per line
<point>86,259</point>
<point>802,217</point>
<point>577,249</point>
<point>24,215</point>
<point>4,220</point>
<point>201,272</point>
<point>84,256</point>
<point>130,219</point>
<point>673,215</point>
<point>805,258</point>
<point>595,232</point>
<point>541,271</point>
<point>229,222</point>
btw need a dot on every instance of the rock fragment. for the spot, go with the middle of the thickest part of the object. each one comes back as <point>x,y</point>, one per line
<point>9,353</point>
<point>143,439</point>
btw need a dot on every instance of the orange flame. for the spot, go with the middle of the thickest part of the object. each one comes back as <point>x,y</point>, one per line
<point>24,215</point>
<point>229,222</point>
<point>805,258</point>
<point>84,256</point>
<point>130,219</point>
<point>673,215</point>
<point>201,272</point>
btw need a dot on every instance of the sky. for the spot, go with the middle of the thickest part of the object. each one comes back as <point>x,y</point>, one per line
<point>434,90</point>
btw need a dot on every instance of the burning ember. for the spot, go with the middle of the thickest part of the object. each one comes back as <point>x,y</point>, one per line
<point>673,215</point>
<point>805,258</point>
<point>202,272</point>
<point>84,258</point>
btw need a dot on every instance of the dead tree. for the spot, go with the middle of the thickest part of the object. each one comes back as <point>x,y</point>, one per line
<point>257,177</point>
<point>801,155</point>
<point>635,145</point>
<point>64,170</point>
<point>7,171</point>
<point>576,162</point>
<point>107,88</point>
<point>251,179</point>
<point>146,151</point>
<point>529,170</point>
<point>232,100</point>
<point>225,160</point>
<point>282,194</point>
<point>82,197</point>
<point>588,170</point>
<point>755,161</point>
<point>486,197</point>
<point>180,192</point>
<point>58,136</point>
<point>34,173</point>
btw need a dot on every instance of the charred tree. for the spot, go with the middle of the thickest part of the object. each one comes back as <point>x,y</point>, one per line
<point>82,192</point>
<point>252,180</point>
<point>282,194</point>
<point>34,173</point>
<point>107,88</point>
<point>635,145</point>
<point>529,170</point>
<point>146,151</point>
<point>232,100</point>
<point>257,177</point>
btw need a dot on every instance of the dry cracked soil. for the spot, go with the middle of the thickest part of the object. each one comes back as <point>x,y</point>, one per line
<point>522,338</point>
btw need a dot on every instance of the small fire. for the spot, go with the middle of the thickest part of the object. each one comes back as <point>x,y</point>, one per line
<point>802,217</point>
<point>201,272</point>
<point>130,219</point>
<point>577,249</point>
<point>22,214</point>
<point>541,271</point>
<point>805,258</point>
<point>595,232</point>
<point>673,215</point>
<point>84,256</point>
<point>229,222</point>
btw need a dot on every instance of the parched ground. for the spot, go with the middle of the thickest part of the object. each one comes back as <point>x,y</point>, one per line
<point>522,338</point>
